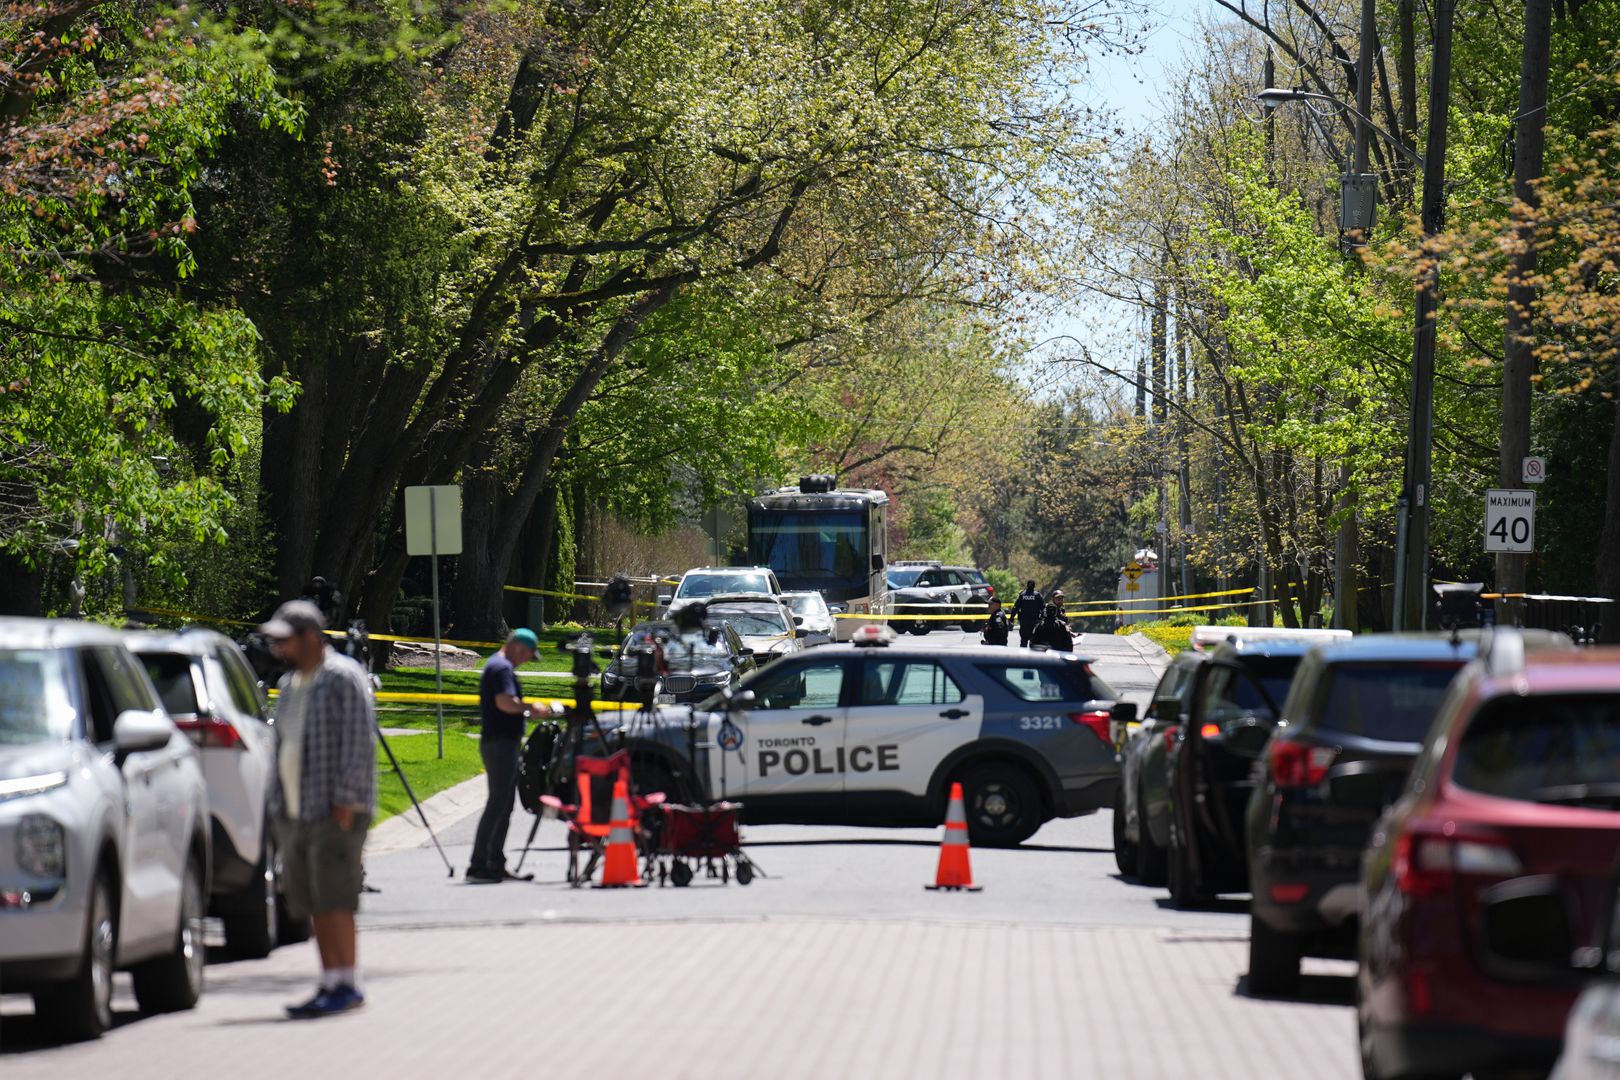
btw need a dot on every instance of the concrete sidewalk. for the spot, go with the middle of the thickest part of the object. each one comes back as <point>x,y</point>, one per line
<point>767,998</point>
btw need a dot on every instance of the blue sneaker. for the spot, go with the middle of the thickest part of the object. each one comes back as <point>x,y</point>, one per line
<point>340,999</point>
<point>305,1010</point>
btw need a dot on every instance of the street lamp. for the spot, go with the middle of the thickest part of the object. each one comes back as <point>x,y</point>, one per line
<point>1412,538</point>
<point>1272,96</point>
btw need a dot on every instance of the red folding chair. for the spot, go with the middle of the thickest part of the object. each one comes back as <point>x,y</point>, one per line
<point>590,816</point>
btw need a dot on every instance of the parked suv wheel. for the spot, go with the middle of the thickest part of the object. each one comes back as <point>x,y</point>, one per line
<point>81,1008</point>
<point>252,929</point>
<point>1273,960</point>
<point>173,983</point>
<point>1151,868</point>
<point>1124,851</point>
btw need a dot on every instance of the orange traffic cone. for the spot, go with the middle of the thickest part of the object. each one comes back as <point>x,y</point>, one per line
<point>954,872</point>
<point>619,869</point>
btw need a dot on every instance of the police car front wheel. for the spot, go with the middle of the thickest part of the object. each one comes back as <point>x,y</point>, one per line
<point>1003,805</point>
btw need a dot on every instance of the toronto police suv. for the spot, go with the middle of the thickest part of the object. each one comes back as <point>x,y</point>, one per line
<point>874,733</point>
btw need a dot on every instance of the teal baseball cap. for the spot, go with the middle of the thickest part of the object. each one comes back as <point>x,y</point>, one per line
<point>525,636</point>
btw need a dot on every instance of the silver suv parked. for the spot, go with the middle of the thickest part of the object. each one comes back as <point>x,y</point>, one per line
<point>103,830</point>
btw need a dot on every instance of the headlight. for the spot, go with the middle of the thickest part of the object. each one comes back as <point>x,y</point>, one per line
<point>31,785</point>
<point>42,847</point>
<point>720,679</point>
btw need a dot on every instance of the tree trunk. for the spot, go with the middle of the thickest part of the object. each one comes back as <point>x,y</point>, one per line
<point>1607,565</point>
<point>1519,339</point>
<point>21,589</point>
<point>476,600</point>
<point>289,476</point>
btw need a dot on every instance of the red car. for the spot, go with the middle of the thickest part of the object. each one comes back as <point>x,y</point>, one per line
<point>1485,885</point>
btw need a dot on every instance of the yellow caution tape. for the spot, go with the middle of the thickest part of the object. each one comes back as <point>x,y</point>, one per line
<point>1161,599</point>
<point>400,697</point>
<point>569,595</point>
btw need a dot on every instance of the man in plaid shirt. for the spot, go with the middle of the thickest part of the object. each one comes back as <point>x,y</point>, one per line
<point>326,770</point>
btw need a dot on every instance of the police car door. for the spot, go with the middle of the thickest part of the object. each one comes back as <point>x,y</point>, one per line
<point>793,738</point>
<point>906,716</point>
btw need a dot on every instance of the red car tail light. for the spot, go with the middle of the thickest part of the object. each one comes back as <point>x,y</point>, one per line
<point>210,732</point>
<point>1428,861</point>
<point>1289,892</point>
<point>1209,731</point>
<point>1297,765</point>
<point>1097,721</point>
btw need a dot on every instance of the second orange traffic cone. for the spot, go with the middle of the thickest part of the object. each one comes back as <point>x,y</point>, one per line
<point>954,872</point>
<point>619,868</point>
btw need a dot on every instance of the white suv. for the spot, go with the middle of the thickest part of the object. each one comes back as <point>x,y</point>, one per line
<point>103,830</point>
<point>209,689</point>
<point>703,582</point>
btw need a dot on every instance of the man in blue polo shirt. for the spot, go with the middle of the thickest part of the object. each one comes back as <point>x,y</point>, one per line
<point>502,714</point>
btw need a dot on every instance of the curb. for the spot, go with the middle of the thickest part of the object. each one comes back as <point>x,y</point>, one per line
<point>404,830</point>
<point>1150,651</point>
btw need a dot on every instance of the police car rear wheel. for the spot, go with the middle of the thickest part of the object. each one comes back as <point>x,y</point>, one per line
<point>1003,805</point>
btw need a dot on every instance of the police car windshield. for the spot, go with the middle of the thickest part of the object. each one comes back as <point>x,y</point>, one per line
<point>34,703</point>
<point>903,579</point>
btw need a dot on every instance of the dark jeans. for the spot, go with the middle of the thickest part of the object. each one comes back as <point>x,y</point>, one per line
<point>501,764</point>
<point>1025,631</point>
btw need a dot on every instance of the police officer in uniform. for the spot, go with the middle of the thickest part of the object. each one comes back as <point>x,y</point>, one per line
<point>996,628</point>
<point>1027,610</point>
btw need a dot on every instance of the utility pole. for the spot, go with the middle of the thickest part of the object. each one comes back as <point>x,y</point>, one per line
<point>1411,604</point>
<point>1518,351</point>
<point>1347,544</point>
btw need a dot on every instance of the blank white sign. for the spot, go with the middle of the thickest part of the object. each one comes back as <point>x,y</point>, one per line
<point>433,520</point>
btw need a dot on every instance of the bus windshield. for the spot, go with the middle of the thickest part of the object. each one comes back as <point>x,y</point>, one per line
<point>810,548</point>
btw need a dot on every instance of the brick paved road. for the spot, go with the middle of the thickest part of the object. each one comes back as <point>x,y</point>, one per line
<point>793,998</point>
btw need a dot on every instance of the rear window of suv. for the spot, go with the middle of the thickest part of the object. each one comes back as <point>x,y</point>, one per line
<point>1051,682</point>
<point>1389,701</point>
<point>1545,748</point>
<point>171,674</point>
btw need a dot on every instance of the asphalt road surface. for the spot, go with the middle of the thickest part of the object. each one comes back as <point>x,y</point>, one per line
<point>836,963</point>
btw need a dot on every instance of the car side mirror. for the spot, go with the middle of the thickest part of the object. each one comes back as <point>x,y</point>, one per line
<point>877,562</point>
<point>739,699</point>
<point>745,651</point>
<point>1123,712</point>
<point>666,599</point>
<point>137,730</point>
<point>798,620</point>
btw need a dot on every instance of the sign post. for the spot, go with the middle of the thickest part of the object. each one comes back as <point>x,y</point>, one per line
<point>433,528</point>
<point>1510,521</point>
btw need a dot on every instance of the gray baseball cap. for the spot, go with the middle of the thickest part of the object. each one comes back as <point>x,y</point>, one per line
<point>293,618</point>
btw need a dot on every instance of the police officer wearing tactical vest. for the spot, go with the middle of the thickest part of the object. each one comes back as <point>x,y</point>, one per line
<point>1027,610</point>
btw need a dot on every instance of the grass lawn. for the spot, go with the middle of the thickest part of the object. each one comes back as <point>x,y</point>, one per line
<point>418,757</point>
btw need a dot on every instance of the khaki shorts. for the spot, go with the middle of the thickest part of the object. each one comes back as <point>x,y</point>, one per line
<point>321,865</point>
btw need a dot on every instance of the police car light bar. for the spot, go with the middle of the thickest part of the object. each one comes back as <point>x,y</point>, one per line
<point>1205,637</point>
<point>871,636</point>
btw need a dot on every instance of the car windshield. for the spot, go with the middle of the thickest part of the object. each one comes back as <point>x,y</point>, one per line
<point>1071,682</point>
<point>709,584</point>
<point>35,706</point>
<point>171,674</point>
<point>679,649</point>
<point>826,545</point>
<point>1392,701</point>
<point>753,623</point>
<point>1545,748</point>
<point>808,604</point>
<point>904,579</point>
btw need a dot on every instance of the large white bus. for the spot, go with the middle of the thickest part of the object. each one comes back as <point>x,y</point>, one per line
<point>822,539</point>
